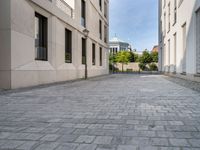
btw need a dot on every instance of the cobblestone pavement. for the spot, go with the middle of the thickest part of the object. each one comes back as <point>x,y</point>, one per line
<point>116,112</point>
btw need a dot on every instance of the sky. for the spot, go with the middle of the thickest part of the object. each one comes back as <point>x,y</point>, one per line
<point>135,21</point>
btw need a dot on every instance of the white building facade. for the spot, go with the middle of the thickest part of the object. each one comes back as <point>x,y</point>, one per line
<point>43,41</point>
<point>179,38</point>
<point>117,45</point>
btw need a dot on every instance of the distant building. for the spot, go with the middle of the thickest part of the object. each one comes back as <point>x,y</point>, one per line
<point>179,38</point>
<point>117,45</point>
<point>155,49</point>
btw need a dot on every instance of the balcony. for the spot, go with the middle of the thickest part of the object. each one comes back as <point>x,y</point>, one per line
<point>62,4</point>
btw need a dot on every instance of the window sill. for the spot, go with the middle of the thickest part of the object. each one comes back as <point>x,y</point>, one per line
<point>40,60</point>
<point>184,74</point>
<point>197,75</point>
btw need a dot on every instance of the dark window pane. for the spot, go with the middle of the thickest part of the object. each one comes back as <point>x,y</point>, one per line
<point>100,56</point>
<point>100,29</point>
<point>100,4</point>
<point>93,54</point>
<point>68,46</point>
<point>83,51</point>
<point>105,9</point>
<point>83,12</point>
<point>40,37</point>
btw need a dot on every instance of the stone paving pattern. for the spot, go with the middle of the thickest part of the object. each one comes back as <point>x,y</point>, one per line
<point>116,112</point>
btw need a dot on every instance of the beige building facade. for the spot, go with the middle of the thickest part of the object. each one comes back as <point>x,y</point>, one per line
<point>179,38</point>
<point>43,41</point>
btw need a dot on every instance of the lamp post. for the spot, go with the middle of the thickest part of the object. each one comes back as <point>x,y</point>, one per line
<point>86,32</point>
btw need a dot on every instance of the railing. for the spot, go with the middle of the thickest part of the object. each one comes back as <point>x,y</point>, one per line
<point>61,4</point>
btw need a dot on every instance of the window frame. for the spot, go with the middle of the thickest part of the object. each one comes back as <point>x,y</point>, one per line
<point>83,51</point>
<point>100,56</point>
<point>83,13</point>
<point>100,29</point>
<point>93,54</point>
<point>68,45</point>
<point>41,46</point>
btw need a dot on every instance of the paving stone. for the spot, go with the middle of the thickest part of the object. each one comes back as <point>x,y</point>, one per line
<point>159,142</point>
<point>178,123</point>
<point>4,135</point>
<point>50,137</point>
<point>130,133</point>
<point>103,140</point>
<point>195,142</point>
<point>126,147</point>
<point>86,147</point>
<point>11,144</point>
<point>67,138</point>
<point>179,142</point>
<point>82,126</point>
<point>95,126</point>
<point>139,141</point>
<point>110,126</point>
<point>164,134</point>
<point>85,139</point>
<point>28,145</point>
<point>181,135</point>
<point>67,146</point>
<point>47,146</point>
<point>135,122</point>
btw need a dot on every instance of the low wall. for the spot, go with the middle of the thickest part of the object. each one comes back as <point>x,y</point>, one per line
<point>129,66</point>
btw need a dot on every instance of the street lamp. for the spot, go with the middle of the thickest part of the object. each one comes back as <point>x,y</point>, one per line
<point>86,32</point>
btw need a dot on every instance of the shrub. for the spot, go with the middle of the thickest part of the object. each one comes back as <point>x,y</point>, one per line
<point>142,66</point>
<point>153,67</point>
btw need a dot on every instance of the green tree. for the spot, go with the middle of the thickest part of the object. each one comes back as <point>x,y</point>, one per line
<point>123,57</point>
<point>146,58</point>
<point>154,56</point>
<point>133,57</point>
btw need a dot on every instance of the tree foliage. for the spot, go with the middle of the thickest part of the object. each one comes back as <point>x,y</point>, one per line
<point>150,59</point>
<point>154,56</point>
<point>146,58</point>
<point>134,57</point>
<point>123,57</point>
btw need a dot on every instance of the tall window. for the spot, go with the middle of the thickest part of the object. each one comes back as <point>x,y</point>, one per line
<point>105,9</point>
<point>68,46</point>
<point>83,13</point>
<point>100,56</point>
<point>164,24</point>
<point>105,34</point>
<point>83,51</point>
<point>100,29</point>
<point>164,57</point>
<point>175,44</point>
<point>198,41</point>
<point>93,54</point>
<point>184,49</point>
<point>169,13</point>
<point>40,37</point>
<point>100,4</point>
<point>175,11</point>
<point>169,53</point>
